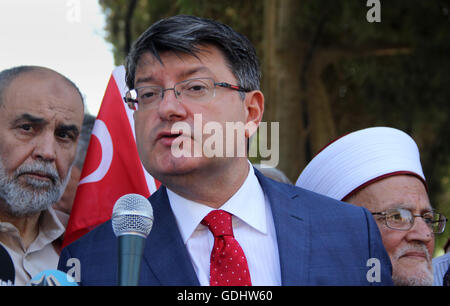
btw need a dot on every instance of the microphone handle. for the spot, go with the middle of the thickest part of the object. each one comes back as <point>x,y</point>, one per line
<point>131,248</point>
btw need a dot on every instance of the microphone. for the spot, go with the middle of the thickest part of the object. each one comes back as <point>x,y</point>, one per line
<point>132,221</point>
<point>7,271</point>
<point>49,278</point>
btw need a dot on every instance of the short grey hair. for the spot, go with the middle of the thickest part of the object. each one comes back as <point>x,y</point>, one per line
<point>8,75</point>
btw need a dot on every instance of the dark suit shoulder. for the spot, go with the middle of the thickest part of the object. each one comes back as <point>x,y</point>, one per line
<point>333,240</point>
<point>99,234</point>
<point>96,252</point>
<point>325,205</point>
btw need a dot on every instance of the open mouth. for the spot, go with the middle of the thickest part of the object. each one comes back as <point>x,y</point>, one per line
<point>167,135</point>
<point>172,135</point>
<point>167,138</point>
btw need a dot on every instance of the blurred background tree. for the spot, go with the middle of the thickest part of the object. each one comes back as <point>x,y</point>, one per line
<point>328,71</point>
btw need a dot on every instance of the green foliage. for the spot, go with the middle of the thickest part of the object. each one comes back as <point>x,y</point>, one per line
<point>232,12</point>
<point>409,91</point>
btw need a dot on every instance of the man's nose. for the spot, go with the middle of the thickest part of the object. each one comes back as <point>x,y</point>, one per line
<point>45,147</point>
<point>170,108</point>
<point>420,231</point>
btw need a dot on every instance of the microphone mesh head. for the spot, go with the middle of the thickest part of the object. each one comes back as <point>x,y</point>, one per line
<point>132,214</point>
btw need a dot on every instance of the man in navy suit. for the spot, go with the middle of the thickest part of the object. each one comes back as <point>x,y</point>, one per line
<point>184,70</point>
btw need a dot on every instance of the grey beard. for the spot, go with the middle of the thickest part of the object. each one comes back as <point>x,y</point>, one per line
<point>421,276</point>
<point>37,195</point>
<point>425,280</point>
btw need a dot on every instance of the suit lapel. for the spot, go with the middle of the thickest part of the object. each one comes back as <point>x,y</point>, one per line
<point>165,252</point>
<point>168,259</point>
<point>292,229</point>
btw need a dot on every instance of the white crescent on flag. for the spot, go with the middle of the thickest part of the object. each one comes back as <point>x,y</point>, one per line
<point>112,167</point>
<point>100,131</point>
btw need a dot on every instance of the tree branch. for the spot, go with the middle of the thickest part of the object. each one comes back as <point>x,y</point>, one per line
<point>128,19</point>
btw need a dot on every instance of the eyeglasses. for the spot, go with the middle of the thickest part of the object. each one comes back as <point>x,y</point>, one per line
<point>198,90</point>
<point>403,219</point>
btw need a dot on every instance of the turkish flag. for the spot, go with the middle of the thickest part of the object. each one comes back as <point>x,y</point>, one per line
<point>112,167</point>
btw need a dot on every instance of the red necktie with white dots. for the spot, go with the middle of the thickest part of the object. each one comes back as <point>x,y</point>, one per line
<point>228,263</point>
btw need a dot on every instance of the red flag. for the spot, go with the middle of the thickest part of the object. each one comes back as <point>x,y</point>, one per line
<point>112,166</point>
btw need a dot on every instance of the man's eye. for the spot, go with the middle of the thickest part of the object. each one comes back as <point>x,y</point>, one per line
<point>148,95</point>
<point>65,135</point>
<point>26,127</point>
<point>428,218</point>
<point>197,88</point>
<point>396,216</point>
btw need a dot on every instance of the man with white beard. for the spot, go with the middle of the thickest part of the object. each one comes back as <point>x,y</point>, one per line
<point>379,168</point>
<point>41,114</point>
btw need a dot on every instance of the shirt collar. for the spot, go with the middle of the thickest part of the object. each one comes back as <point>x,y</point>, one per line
<point>247,204</point>
<point>52,224</point>
<point>50,229</point>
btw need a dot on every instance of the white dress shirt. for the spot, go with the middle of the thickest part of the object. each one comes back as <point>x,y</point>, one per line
<point>252,226</point>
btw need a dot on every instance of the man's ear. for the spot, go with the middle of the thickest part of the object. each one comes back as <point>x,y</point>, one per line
<point>254,110</point>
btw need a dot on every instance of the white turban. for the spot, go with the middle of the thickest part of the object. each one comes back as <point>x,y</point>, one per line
<point>360,158</point>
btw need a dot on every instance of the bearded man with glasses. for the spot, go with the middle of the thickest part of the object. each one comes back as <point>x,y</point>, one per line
<point>379,168</point>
